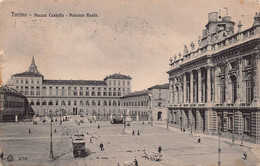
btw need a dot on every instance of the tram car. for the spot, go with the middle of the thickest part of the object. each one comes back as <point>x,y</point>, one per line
<point>79,145</point>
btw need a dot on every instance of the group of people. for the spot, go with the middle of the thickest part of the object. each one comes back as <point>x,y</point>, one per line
<point>133,132</point>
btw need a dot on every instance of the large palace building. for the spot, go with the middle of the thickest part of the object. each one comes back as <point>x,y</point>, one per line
<point>217,86</point>
<point>98,99</point>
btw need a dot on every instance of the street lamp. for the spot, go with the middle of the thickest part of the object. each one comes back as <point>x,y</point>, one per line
<point>51,143</point>
<point>150,108</point>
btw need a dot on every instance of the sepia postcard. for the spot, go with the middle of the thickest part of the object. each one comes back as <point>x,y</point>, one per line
<point>130,82</point>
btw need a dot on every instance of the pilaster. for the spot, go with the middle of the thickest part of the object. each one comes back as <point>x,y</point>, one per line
<point>191,87</point>
<point>209,84</point>
<point>184,89</point>
<point>199,85</point>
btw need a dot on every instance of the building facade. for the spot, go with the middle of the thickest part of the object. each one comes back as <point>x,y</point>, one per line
<point>14,106</point>
<point>143,104</point>
<point>94,98</point>
<point>217,86</point>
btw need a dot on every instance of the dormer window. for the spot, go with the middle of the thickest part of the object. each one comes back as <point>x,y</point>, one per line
<point>233,65</point>
<point>248,61</point>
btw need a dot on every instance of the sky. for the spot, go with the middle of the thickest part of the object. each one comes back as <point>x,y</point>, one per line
<point>130,37</point>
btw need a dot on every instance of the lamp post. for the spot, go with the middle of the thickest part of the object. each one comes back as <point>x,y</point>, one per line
<point>167,118</point>
<point>219,148</point>
<point>150,108</point>
<point>51,143</point>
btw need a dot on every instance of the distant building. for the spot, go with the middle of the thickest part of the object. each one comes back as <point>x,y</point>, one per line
<point>13,105</point>
<point>94,98</point>
<point>217,86</point>
<point>142,103</point>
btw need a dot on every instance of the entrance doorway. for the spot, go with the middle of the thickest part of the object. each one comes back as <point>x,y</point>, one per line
<point>75,111</point>
<point>159,115</point>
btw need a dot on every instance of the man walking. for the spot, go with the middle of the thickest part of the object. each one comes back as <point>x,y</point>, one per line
<point>101,147</point>
<point>159,149</point>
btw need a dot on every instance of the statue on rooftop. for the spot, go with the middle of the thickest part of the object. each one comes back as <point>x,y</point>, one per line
<point>192,45</point>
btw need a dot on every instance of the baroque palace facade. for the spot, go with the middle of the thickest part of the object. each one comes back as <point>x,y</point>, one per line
<point>217,86</point>
<point>98,99</point>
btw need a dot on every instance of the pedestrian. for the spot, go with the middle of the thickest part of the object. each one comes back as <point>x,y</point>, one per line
<point>29,130</point>
<point>143,122</point>
<point>159,149</point>
<point>245,156</point>
<point>90,140</point>
<point>2,155</point>
<point>199,139</point>
<point>55,131</point>
<point>118,164</point>
<point>101,147</point>
<point>98,126</point>
<point>138,132</point>
<point>136,162</point>
<point>242,141</point>
<point>133,133</point>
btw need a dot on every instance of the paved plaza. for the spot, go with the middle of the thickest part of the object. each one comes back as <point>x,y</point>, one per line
<point>178,148</point>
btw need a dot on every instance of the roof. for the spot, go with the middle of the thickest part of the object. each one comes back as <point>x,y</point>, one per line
<point>10,90</point>
<point>136,94</point>
<point>163,86</point>
<point>28,74</point>
<point>117,76</point>
<point>74,82</point>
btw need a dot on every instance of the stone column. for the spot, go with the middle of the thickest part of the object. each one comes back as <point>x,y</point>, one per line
<point>199,85</point>
<point>191,87</point>
<point>184,89</point>
<point>240,85</point>
<point>171,92</point>
<point>216,92</point>
<point>208,84</point>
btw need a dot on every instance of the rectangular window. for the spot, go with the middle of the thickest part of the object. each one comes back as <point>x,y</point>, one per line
<point>104,93</point>
<point>249,93</point>
<point>38,91</point>
<point>50,91</point>
<point>44,91</point>
<point>69,91</point>
<point>93,93</point>
<point>32,91</point>
<point>57,91</point>
<point>81,93</point>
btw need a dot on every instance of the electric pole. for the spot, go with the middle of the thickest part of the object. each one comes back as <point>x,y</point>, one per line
<point>51,144</point>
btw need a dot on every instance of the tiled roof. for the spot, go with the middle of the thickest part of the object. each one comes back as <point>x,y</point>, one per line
<point>28,74</point>
<point>117,76</point>
<point>136,94</point>
<point>164,86</point>
<point>74,82</point>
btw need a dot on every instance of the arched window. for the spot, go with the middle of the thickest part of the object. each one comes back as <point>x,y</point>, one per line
<point>87,102</point>
<point>81,102</point>
<point>93,102</point>
<point>222,90</point>
<point>249,88</point>
<point>105,103</point>
<point>234,88</point>
<point>177,91</point>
